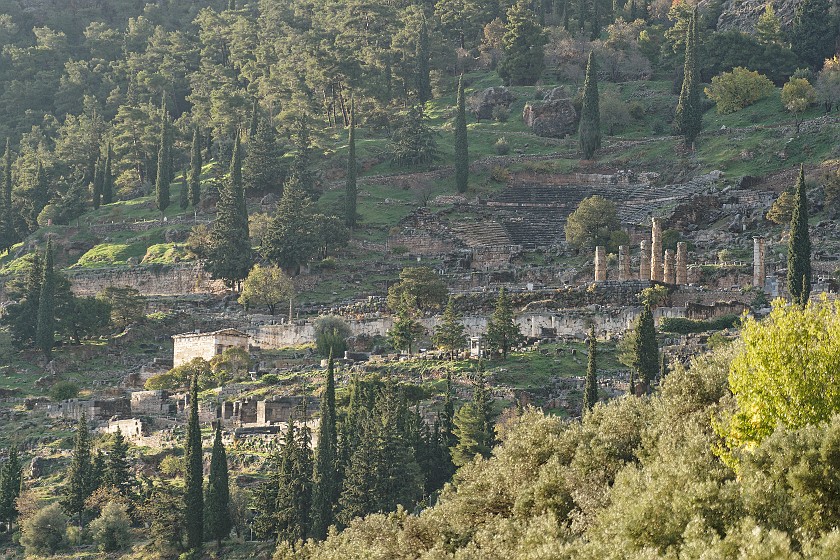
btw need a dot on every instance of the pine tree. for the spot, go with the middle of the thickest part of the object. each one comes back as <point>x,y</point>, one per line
<point>799,246</point>
<point>218,518</point>
<point>350,188</point>
<point>265,500</point>
<point>294,494</point>
<point>462,159</point>
<point>291,239</point>
<point>502,332</point>
<point>97,470</point>
<point>98,176</point>
<point>590,117</point>
<point>79,473</point>
<point>422,54</point>
<point>358,495</point>
<point>814,32</point>
<point>10,482</point>
<point>302,161</point>
<point>117,468</point>
<point>162,178</point>
<point>37,197</point>
<point>326,479</point>
<point>689,116</point>
<point>646,350</point>
<point>590,391</point>
<point>108,176</point>
<point>523,57</point>
<point>8,236</point>
<point>195,169</point>
<point>473,426</point>
<point>406,327</point>
<point>450,335</point>
<point>263,170</point>
<point>45,334</point>
<point>230,245</point>
<point>194,475</point>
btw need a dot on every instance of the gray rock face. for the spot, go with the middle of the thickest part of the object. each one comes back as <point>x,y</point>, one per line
<point>482,104</point>
<point>551,119</point>
<point>743,14</point>
<point>556,94</point>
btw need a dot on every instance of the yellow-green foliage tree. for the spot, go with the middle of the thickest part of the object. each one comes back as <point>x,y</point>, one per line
<point>797,95</point>
<point>785,372</point>
<point>732,91</point>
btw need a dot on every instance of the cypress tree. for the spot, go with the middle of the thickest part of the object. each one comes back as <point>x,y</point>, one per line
<point>97,470</point>
<point>219,522</point>
<point>689,118</point>
<point>294,494</point>
<point>117,472</point>
<point>523,57</point>
<point>326,480</point>
<point>162,177</point>
<point>502,332</point>
<point>590,391</point>
<point>45,334</point>
<point>80,473</point>
<point>265,500</point>
<point>473,426</point>
<point>98,175</point>
<point>358,492</point>
<point>255,119</point>
<point>646,351</point>
<point>422,55</point>
<point>448,417</point>
<point>462,160</point>
<point>590,117</point>
<point>350,187</point>
<point>230,245</point>
<point>450,334</point>
<point>263,169</point>
<point>195,169</point>
<point>813,32</point>
<point>184,192</point>
<point>799,246</point>
<point>581,14</point>
<point>38,197</point>
<point>194,475</point>
<point>108,176</point>
<point>10,481</point>
<point>301,162</point>
<point>7,220</point>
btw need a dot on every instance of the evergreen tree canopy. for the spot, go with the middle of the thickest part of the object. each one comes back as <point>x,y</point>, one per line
<point>263,170</point>
<point>291,239</point>
<point>195,168</point>
<point>462,159</point>
<point>590,390</point>
<point>8,236</point>
<point>523,59</point>
<point>162,179</point>
<point>450,335</point>
<point>502,332</point>
<point>814,32</point>
<point>80,474</point>
<point>194,475</point>
<point>350,189</point>
<point>473,426</point>
<point>10,480</point>
<point>422,57</point>
<point>413,141</point>
<point>326,477</point>
<point>406,328</point>
<point>590,117</point>
<point>799,246</point>
<point>689,115</point>
<point>45,334</point>
<point>118,473</point>
<point>646,350</point>
<point>217,502</point>
<point>108,176</point>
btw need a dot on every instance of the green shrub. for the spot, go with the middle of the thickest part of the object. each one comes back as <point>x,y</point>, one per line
<point>45,531</point>
<point>501,146</point>
<point>732,91</point>
<point>111,530</point>
<point>64,390</point>
<point>501,114</point>
<point>685,326</point>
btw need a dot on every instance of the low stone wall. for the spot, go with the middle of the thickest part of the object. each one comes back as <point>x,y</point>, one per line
<point>149,280</point>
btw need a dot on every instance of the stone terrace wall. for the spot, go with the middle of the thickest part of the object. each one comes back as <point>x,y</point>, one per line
<point>149,280</point>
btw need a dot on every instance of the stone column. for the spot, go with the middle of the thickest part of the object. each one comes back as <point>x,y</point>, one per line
<point>644,261</point>
<point>682,263</point>
<point>600,264</point>
<point>623,263</point>
<point>669,276</point>
<point>656,251</point>
<point>759,254</point>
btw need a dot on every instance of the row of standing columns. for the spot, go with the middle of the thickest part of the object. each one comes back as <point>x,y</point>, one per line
<point>669,268</point>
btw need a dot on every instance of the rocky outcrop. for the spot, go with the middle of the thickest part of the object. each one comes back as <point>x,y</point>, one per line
<point>483,103</point>
<point>743,14</point>
<point>554,118</point>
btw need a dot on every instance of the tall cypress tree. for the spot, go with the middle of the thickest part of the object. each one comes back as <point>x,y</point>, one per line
<point>326,479</point>
<point>219,522</point>
<point>80,473</point>
<point>422,54</point>
<point>590,391</point>
<point>350,187</point>
<point>117,468</point>
<point>194,475</point>
<point>294,494</point>
<point>646,350</point>
<point>45,334</point>
<point>10,480</point>
<point>195,168</point>
<point>462,160</point>
<point>7,220</point>
<point>448,416</point>
<point>163,160</point>
<point>590,116</point>
<point>689,116</point>
<point>184,191</point>
<point>98,175</point>
<point>230,245</point>
<point>799,246</point>
<point>255,119</point>
<point>37,197</point>
<point>108,176</point>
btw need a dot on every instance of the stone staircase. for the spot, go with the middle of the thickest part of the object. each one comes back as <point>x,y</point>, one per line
<point>488,233</point>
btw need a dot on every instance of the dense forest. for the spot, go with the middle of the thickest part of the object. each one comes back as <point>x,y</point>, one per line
<point>734,454</point>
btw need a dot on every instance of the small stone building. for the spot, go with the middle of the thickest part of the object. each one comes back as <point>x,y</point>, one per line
<point>206,345</point>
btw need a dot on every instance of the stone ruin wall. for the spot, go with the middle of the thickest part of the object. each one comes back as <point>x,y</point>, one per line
<point>149,280</point>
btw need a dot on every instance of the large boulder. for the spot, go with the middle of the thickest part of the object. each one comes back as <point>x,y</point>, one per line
<point>743,14</point>
<point>483,103</point>
<point>556,118</point>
